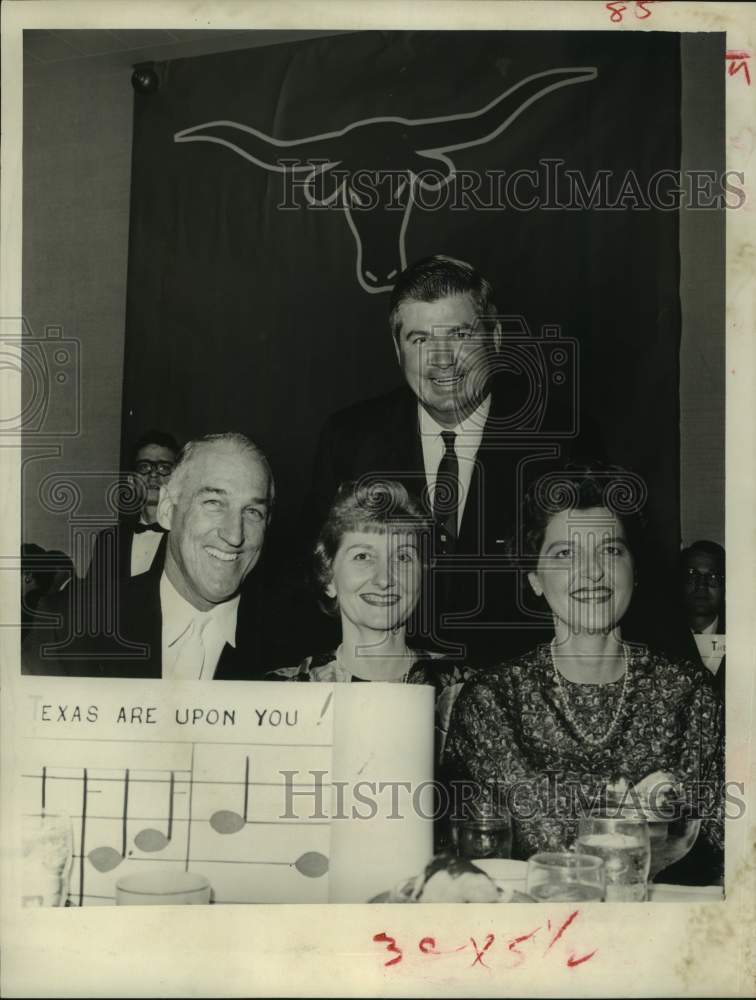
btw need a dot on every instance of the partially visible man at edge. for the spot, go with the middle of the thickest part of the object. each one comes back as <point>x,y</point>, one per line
<point>702,567</point>
<point>201,619</point>
<point>137,543</point>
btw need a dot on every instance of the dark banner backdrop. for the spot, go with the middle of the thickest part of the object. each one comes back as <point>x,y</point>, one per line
<point>243,315</point>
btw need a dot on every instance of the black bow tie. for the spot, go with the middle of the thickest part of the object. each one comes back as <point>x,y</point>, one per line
<point>139,528</point>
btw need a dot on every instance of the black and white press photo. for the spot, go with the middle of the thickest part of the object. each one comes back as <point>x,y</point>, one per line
<point>371,386</point>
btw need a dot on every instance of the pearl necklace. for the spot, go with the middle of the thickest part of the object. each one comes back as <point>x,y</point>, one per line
<point>399,680</point>
<point>587,737</point>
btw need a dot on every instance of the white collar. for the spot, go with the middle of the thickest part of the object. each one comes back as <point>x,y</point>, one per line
<point>178,614</point>
<point>711,628</point>
<point>470,429</point>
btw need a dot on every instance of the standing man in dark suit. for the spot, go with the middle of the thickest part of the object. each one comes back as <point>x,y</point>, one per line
<point>137,544</point>
<point>447,435</point>
<point>199,619</point>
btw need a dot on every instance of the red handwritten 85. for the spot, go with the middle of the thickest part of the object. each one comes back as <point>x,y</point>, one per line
<point>617,9</point>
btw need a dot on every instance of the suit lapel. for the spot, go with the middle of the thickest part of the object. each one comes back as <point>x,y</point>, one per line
<point>139,622</point>
<point>226,669</point>
<point>243,662</point>
<point>147,610</point>
<point>125,536</point>
<point>406,449</point>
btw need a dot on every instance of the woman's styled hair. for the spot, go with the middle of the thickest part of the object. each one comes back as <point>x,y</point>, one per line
<point>375,505</point>
<point>582,487</point>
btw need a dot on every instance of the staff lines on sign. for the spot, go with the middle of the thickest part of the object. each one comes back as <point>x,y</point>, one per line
<point>93,776</point>
<point>211,861</point>
<point>294,821</point>
<point>160,804</point>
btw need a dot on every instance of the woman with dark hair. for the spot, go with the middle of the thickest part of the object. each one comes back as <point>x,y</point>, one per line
<point>589,710</point>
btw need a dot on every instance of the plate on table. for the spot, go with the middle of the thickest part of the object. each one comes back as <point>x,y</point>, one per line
<point>508,876</point>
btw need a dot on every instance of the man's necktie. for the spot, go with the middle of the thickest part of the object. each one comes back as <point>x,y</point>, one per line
<point>446,493</point>
<point>139,528</point>
<point>190,658</point>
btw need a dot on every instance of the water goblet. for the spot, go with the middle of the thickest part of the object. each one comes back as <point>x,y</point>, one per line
<point>484,832</point>
<point>567,877</point>
<point>621,840</point>
<point>47,844</point>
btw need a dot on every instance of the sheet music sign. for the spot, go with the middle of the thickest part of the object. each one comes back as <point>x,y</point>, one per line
<point>273,792</point>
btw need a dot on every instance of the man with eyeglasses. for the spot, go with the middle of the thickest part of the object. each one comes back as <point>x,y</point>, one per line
<point>703,598</point>
<point>139,541</point>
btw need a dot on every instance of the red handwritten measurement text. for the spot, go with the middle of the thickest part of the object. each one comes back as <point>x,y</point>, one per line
<point>507,952</point>
<point>737,61</point>
<point>640,7</point>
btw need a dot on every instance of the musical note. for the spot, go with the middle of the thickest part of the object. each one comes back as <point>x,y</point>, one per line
<point>150,840</point>
<point>312,864</point>
<point>105,859</point>
<point>226,821</point>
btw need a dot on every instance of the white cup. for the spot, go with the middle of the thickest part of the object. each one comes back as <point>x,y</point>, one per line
<point>162,888</point>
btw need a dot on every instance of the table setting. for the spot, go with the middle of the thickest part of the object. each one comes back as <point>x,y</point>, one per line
<point>620,849</point>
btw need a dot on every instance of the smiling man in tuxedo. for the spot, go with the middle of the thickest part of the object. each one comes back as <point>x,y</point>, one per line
<point>216,507</point>
<point>201,618</point>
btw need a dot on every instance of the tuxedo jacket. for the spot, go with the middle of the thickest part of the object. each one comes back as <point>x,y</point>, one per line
<point>477,599</point>
<point>115,542</point>
<point>135,650</point>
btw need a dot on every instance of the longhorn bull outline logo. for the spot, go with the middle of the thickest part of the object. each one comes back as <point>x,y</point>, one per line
<point>402,147</point>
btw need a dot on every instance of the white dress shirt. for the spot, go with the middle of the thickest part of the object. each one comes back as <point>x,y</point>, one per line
<point>469,434</point>
<point>711,645</point>
<point>144,547</point>
<point>193,640</point>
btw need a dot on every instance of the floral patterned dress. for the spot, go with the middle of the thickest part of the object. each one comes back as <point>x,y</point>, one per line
<point>446,676</point>
<point>509,731</point>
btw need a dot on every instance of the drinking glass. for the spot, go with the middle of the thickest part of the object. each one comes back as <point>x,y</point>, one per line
<point>47,842</point>
<point>623,843</point>
<point>565,878</point>
<point>672,827</point>
<point>485,832</point>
